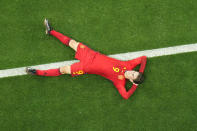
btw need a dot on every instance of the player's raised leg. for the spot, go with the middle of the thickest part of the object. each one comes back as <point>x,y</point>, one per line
<point>64,39</point>
<point>65,70</point>
<point>73,44</point>
<point>50,72</point>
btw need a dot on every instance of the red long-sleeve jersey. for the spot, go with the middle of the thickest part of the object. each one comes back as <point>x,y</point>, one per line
<point>92,62</point>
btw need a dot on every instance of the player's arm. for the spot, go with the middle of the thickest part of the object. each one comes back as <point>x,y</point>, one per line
<point>124,93</point>
<point>143,64</point>
<point>140,60</point>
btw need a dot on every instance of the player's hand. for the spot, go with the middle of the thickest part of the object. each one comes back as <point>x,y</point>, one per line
<point>133,82</point>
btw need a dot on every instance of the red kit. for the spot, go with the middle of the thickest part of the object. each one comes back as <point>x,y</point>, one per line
<point>92,62</point>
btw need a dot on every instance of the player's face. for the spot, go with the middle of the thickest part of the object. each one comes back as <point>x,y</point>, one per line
<point>132,75</point>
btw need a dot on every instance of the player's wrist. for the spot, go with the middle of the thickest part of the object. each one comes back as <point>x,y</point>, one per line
<point>135,84</point>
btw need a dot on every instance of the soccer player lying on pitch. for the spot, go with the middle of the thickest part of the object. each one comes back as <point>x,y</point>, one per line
<point>92,62</point>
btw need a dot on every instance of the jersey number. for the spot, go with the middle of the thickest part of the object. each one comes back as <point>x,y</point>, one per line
<point>80,72</point>
<point>116,69</point>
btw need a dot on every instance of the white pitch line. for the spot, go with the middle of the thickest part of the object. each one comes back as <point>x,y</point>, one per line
<point>122,56</point>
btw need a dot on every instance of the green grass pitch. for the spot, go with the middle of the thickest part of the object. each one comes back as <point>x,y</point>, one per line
<point>165,101</point>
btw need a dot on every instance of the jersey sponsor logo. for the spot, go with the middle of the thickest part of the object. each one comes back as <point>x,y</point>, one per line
<point>80,72</point>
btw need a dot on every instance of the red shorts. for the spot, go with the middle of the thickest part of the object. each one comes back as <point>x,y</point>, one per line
<point>86,57</point>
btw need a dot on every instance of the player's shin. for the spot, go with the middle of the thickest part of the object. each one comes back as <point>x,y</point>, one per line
<point>64,39</point>
<point>50,72</point>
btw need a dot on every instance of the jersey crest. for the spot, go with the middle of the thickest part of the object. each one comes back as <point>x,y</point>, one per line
<point>82,46</point>
<point>120,77</point>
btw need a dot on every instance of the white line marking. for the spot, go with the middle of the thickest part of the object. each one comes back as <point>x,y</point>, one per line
<point>122,56</point>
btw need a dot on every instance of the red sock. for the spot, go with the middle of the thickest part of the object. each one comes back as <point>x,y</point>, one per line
<point>50,72</point>
<point>64,39</point>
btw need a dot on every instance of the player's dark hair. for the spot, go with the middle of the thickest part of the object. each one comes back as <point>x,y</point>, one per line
<point>139,79</point>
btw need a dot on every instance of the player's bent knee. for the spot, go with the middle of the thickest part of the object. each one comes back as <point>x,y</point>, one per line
<point>65,70</point>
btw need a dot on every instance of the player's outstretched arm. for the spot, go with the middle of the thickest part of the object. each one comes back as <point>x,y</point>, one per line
<point>124,93</point>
